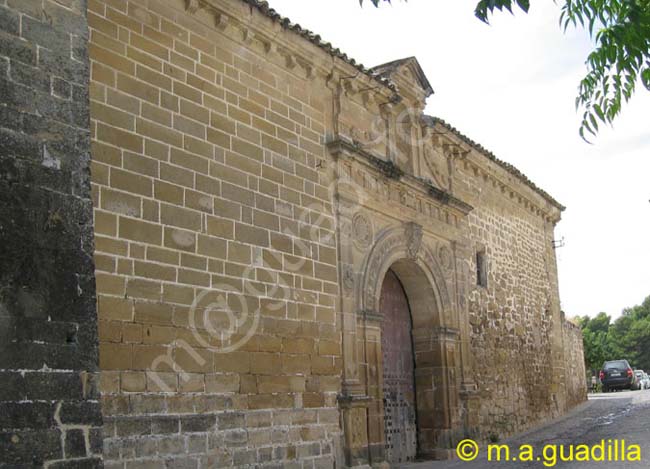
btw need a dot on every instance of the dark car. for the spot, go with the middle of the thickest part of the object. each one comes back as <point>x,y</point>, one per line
<point>618,374</point>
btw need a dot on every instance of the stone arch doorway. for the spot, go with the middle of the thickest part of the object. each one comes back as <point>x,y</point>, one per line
<point>422,416</point>
<point>400,251</point>
<point>398,385</point>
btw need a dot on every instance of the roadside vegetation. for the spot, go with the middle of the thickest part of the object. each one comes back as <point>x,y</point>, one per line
<point>628,337</point>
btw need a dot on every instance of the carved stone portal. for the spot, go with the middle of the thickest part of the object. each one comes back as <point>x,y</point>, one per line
<point>436,407</point>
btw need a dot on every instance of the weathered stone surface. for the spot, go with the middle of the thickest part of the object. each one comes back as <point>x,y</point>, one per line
<point>48,319</point>
<point>575,365</point>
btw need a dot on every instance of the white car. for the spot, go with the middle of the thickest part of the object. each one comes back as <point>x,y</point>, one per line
<point>643,379</point>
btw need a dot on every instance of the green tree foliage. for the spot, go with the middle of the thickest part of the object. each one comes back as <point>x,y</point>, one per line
<point>620,58</point>
<point>595,333</point>
<point>628,337</point>
<point>632,329</point>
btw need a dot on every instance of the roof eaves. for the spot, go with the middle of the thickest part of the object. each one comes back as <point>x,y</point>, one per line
<point>431,120</point>
<point>264,8</point>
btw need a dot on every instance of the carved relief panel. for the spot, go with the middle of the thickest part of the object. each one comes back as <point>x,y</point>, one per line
<point>434,165</point>
<point>406,141</point>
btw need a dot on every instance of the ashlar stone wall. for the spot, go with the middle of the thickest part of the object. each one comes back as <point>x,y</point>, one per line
<point>49,400</point>
<point>207,177</point>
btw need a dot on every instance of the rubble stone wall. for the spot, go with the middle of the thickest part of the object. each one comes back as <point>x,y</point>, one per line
<point>515,321</point>
<point>576,374</point>
<point>511,325</point>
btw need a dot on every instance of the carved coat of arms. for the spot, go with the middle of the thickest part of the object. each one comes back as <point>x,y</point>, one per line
<point>413,233</point>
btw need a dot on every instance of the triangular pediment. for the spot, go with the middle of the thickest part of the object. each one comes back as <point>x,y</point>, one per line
<point>406,71</point>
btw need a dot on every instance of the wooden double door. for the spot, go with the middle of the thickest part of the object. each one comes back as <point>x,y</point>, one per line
<point>400,427</point>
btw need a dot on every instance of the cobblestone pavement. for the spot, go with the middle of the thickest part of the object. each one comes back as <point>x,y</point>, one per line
<point>617,416</point>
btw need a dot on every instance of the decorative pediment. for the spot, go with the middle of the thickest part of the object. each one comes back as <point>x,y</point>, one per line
<point>407,73</point>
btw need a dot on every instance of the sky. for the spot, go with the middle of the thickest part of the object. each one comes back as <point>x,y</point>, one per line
<point>511,87</point>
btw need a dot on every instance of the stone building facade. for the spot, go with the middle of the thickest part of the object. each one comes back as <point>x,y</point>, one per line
<point>294,266</point>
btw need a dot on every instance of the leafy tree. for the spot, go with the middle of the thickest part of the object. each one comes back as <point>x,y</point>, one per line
<point>632,329</point>
<point>628,337</point>
<point>619,340</point>
<point>595,333</point>
<point>600,323</point>
<point>620,59</point>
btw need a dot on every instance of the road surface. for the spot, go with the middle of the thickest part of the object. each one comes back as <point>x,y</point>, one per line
<point>616,416</point>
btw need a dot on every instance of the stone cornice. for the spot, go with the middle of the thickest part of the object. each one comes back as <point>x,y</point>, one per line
<point>527,199</point>
<point>342,147</point>
<point>522,194</point>
<point>485,163</point>
<point>227,17</point>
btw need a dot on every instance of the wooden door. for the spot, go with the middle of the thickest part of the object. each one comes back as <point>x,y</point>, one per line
<point>398,381</point>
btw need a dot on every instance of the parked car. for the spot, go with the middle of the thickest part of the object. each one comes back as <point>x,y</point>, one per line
<point>643,379</point>
<point>618,374</point>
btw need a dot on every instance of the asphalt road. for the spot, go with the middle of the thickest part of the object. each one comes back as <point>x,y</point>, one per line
<point>616,416</point>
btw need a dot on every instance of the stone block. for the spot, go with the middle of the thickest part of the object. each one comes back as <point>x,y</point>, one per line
<point>266,363</point>
<point>75,444</point>
<point>80,413</point>
<point>33,446</point>
<point>197,423</point>
<point>220,383</point>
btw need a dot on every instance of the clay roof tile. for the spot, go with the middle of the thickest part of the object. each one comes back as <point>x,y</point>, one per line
<point>263,7</point>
